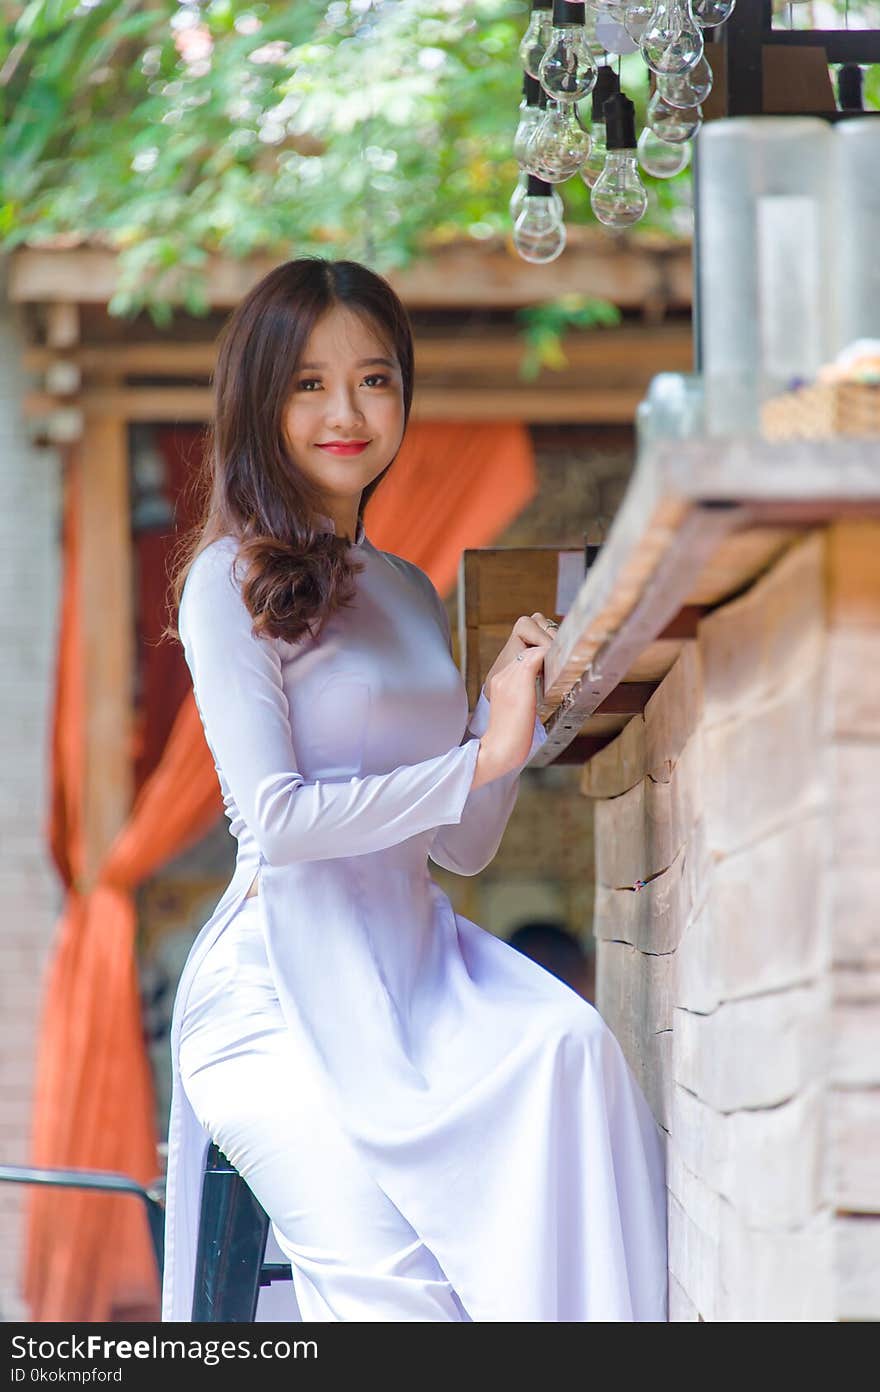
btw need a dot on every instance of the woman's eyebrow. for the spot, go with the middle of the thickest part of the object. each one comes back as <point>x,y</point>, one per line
<point>364,362</point>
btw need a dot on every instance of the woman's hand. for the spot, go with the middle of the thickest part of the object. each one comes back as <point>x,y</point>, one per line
<point>530,630</point>
<point>511,690</point>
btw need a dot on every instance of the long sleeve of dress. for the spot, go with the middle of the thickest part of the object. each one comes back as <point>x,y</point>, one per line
<point>472,843</point>
<point>237,683</point>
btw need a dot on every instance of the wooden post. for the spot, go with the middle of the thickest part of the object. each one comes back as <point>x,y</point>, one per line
<point>106,600</point>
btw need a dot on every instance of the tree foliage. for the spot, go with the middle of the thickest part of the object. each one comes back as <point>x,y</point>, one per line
<point>169,131</point>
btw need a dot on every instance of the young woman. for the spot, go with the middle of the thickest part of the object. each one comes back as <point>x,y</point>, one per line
<point>437,1128</point>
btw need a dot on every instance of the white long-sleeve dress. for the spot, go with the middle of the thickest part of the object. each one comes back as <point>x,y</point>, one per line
<point>489,1101</point>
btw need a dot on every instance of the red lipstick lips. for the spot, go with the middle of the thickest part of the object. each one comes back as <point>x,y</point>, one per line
<point>344,446</point>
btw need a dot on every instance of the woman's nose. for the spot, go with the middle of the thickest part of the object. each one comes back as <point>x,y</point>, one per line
<point>343,407</point>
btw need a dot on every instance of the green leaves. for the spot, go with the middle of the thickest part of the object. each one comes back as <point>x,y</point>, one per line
<point>176,130</point>
<point>545,325</point>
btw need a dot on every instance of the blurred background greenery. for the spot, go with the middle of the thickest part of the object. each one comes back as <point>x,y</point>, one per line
<point>372,129</point>
<point>362,129</point>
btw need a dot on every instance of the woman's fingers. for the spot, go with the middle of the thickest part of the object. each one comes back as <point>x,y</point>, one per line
<point>535,629</point>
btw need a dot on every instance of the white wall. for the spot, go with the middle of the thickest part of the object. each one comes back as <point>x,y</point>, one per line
<point>30,892</point>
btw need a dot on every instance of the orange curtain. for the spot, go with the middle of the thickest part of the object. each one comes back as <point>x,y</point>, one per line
<point>88,1256</point>
<point>453,487</point>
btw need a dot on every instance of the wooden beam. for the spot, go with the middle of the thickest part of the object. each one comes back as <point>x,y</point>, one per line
<point>629,698</point>
<point>662,589</point>
<point>107,635</point>
<point>497,584</point>
<point>459,378</point>
<point>770,474</point>
<point>684,624</point>
<point>627,349</point>
<point>700,520</point>
<point>531,404</point>
<point>582,748</point>
<point>629,270</point>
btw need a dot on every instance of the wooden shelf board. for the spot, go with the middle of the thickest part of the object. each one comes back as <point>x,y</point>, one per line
<point>701,520</point>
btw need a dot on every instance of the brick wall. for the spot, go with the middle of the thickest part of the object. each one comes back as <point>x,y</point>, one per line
<point>743,980</point>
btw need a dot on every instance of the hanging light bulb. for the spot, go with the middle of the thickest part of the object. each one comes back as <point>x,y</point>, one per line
<point>636,18</point>
<point>527,155</point>
<point>610,29</point>
<point>673,123</point>
<point>538,234</point>
<point>529,116</point>
<point>688,88</point>
<point>618,197</point>
<point>673,40</point>
<point>607,84</point>
<point>514,207</point>
<point>568,70</point>
<point>709,13</point>
<point>534,41</point>
<point>559,143</point>
<point>660,157</point>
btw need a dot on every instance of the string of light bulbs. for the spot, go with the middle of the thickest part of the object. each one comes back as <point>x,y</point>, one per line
<point>567,53</point>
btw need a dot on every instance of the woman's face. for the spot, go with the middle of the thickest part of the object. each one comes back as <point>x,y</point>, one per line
<point>348,389</point>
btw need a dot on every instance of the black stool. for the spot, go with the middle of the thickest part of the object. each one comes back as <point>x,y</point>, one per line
<point>233,1228</point>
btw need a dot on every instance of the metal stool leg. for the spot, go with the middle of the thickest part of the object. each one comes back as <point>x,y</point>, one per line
<point>233,1228</point>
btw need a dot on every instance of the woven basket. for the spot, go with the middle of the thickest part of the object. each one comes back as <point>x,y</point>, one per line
<point>822,411</point>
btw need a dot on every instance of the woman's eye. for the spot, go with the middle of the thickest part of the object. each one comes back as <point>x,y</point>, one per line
<point>308,382</point>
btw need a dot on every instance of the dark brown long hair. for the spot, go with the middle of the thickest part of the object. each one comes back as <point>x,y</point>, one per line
<point>294,575</point>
